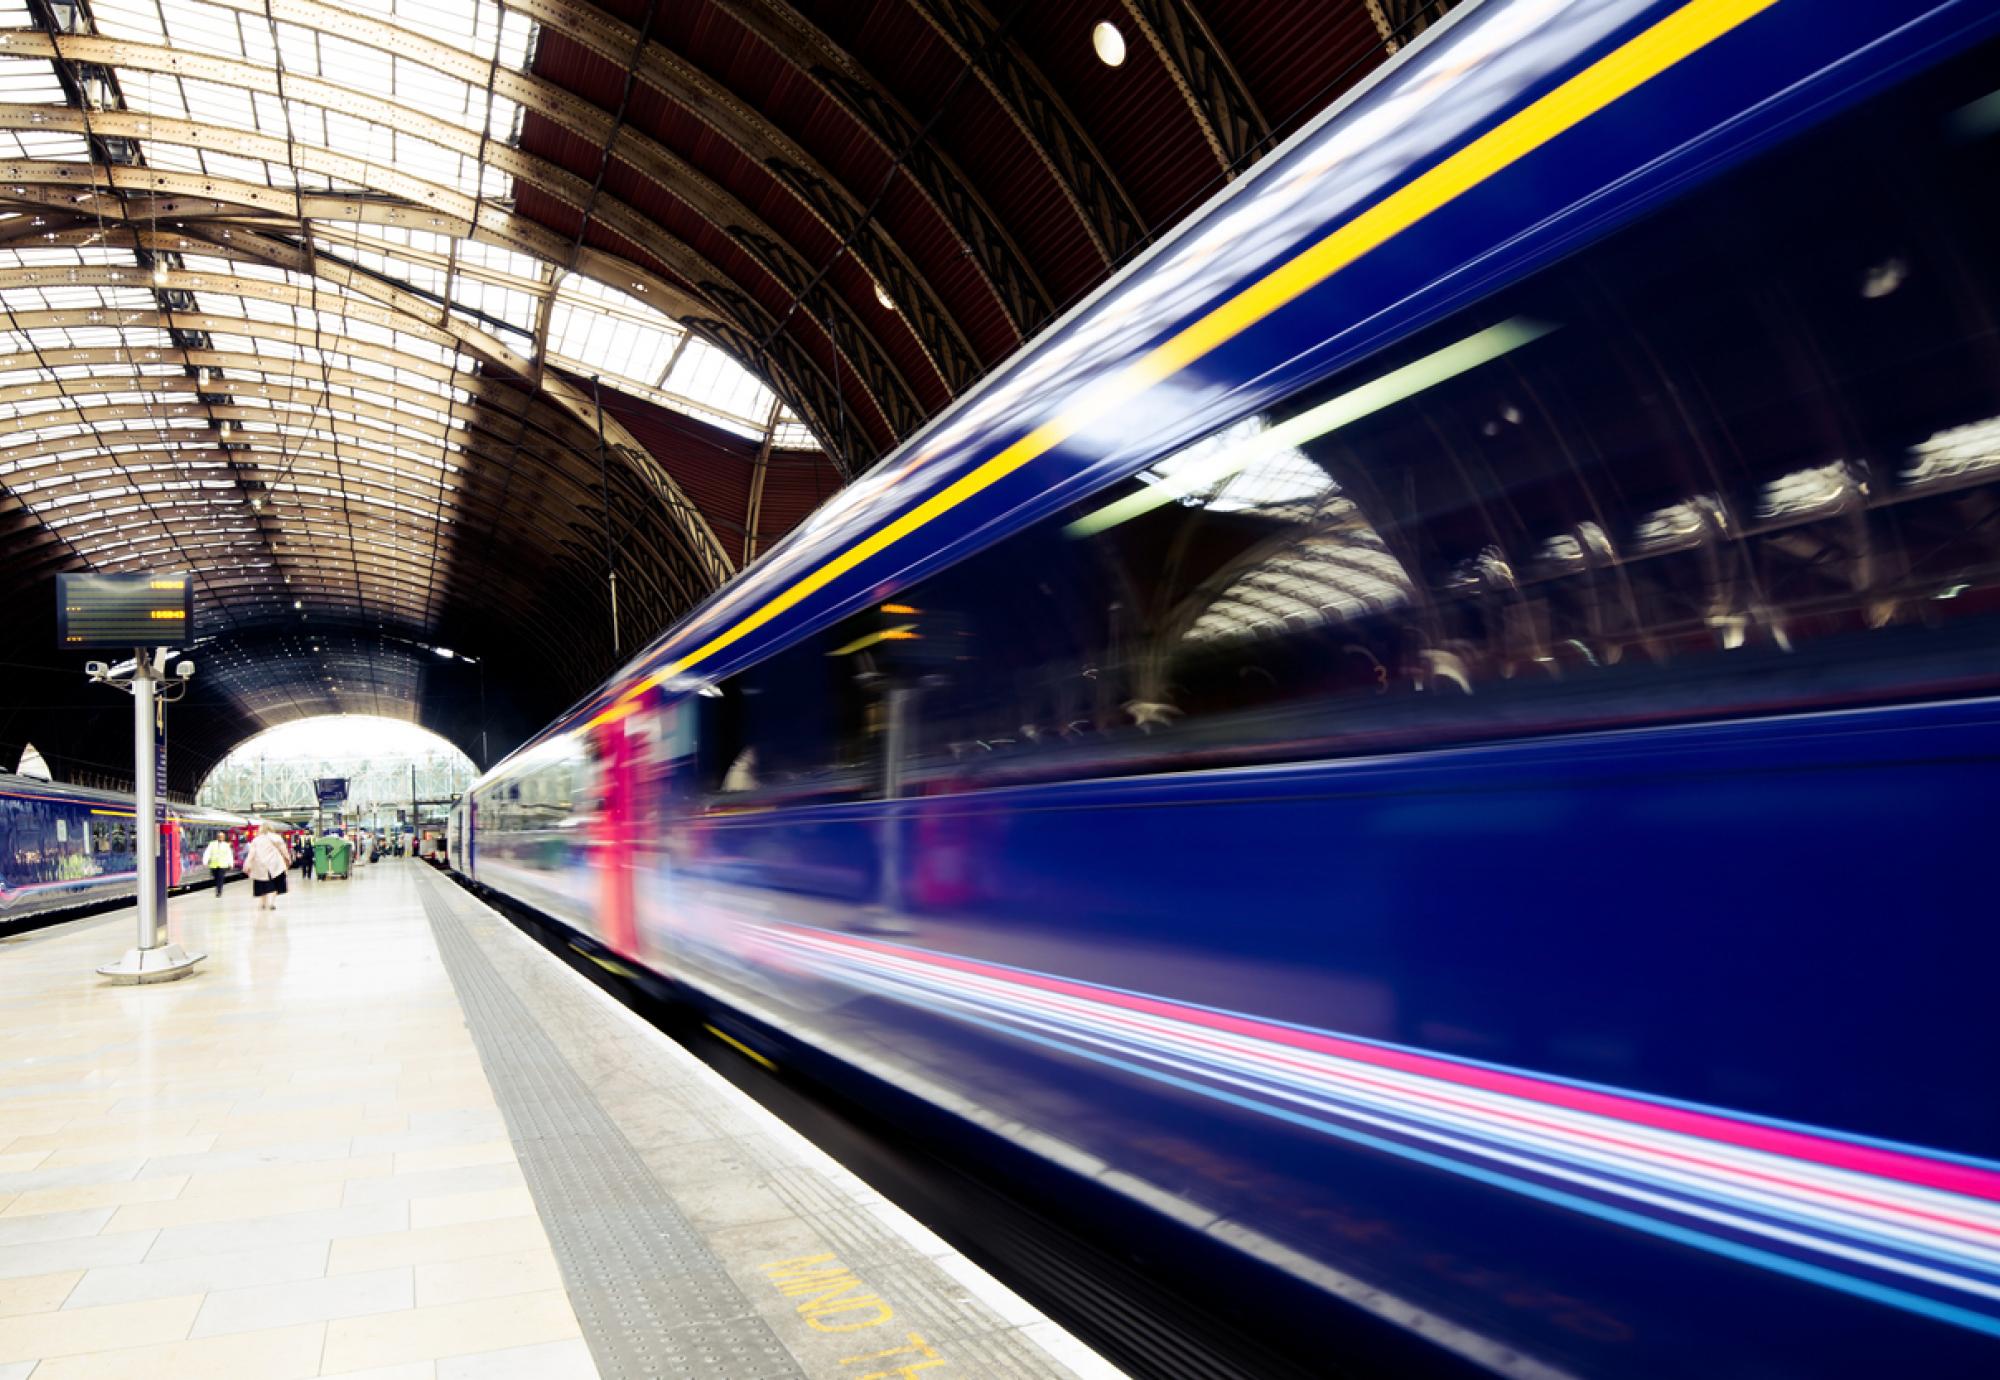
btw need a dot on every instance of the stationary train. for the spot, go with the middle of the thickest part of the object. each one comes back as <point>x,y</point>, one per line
<point>1437,735</point>
<point>62,847</point>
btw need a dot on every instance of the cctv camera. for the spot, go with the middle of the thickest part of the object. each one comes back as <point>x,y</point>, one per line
<point>185,670</point>
<point>96,670</point>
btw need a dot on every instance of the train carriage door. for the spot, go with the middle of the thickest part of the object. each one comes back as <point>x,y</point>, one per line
<point>614,753</point>
<point>662,745</point>
<point>170,849</point>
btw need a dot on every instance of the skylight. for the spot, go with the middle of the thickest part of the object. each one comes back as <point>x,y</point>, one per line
<point>595,329</point>
<point>261,320</point>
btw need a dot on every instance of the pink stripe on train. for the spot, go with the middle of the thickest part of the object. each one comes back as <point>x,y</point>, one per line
<point>1883,1162</point>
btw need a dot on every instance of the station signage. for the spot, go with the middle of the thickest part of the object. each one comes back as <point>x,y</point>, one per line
<point>331,790</point>
<point>125,611</point>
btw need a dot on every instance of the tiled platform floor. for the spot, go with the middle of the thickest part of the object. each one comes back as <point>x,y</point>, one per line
<point>292,1164</point>
<point>287,1165</point>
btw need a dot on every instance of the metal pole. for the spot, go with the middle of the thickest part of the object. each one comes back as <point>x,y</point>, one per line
<point>604,485</point>
<point>886,916</point>
<point>146,823</point>
<point>154,959</point>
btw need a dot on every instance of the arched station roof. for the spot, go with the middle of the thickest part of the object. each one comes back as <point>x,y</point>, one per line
<point>319,299</point>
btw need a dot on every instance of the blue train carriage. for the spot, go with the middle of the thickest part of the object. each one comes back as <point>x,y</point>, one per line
<point>1438,729</point>
<point>65,846</point>
<point>61,846</point>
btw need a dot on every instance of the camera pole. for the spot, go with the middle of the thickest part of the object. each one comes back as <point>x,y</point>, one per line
<point>154,960</point>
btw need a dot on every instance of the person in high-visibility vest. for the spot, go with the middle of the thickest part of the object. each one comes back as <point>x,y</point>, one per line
<point>218,858</point>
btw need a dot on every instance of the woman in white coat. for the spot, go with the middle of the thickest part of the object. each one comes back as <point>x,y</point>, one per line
<point>266,863</point>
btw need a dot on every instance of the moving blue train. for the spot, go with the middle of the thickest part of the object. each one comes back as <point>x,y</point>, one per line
<point>62,847</point>
<point>1436,733</point>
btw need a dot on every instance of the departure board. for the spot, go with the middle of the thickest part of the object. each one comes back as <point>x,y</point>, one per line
<point>124,610</point>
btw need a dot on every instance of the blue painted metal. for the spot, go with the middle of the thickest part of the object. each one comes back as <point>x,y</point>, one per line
<point>1642,1051</point>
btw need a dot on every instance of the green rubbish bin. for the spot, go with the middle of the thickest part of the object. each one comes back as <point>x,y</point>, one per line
<point>332,858</point>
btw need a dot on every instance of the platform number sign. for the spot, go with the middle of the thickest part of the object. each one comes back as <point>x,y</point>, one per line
<point>124,611</point>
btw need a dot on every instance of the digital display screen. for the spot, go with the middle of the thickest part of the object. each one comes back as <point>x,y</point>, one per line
<point>124,610</point>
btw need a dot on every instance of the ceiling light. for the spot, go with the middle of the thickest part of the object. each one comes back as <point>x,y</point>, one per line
<point>159,273</point>
<point>1884,278</point>
<point>882,296</point>
<point>1108,43</point>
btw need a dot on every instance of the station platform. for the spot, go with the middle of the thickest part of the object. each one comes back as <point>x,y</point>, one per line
<point>381,1134</point>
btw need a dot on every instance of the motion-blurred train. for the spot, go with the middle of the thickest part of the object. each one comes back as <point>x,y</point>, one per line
<point>62,847</point>
<point>1436,732</point>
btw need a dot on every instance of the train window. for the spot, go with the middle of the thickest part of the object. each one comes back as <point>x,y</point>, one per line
<point>1741,457</point>
<point>804,725</point>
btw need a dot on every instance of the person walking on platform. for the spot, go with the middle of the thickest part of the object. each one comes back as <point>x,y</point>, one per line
<point>267,863</point>
<point>304,854</point>
<point>218,858</point>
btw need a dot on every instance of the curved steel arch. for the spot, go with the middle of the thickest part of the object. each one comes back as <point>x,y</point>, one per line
<point>819,193</point>
<point>1223,109</point>
<point>943,342</point>
<point>981,234</point>
<point>371,440</point>
<point>939,337</point>
<point>566,489</point>
<point>402,311</point>
<point>881,383</point>
<point>1107,214</point>
<point>381,586</point>
<point>341,488</point>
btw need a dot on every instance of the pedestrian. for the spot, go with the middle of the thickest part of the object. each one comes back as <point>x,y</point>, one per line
<point>218,858</point>
<point>267,863</point>
<point>304,849</point>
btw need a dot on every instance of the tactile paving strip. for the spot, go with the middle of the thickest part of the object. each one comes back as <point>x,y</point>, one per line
<point>651,1297</point>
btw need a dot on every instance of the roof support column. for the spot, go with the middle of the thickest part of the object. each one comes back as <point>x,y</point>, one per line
<point>610,538</point>
<point>761,466</point>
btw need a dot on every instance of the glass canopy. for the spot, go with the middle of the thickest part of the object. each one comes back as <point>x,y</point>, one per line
<point>257,262</point>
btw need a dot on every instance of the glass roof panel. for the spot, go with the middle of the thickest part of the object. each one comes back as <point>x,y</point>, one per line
<point>170,381</point>
<point>595,329</point>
